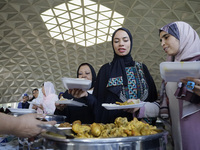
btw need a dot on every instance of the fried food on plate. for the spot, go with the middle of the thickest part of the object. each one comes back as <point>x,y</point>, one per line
<point>129,102</point>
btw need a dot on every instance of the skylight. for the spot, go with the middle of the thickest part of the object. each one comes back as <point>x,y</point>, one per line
<point>82,21</point>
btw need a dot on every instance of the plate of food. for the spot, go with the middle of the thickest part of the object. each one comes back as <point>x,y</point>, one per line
<point>124,105</point>
<point>76,83</point>
<point>22,111</point>
<point>70,102</point>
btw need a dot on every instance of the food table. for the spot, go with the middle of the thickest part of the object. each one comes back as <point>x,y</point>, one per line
<point>122,134</point>
<point>45,142</point>
<point>10,142</point>
<point>15,143</point>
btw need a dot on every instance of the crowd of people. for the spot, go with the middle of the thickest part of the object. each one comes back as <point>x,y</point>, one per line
<point>124,79</point>
<point>43,99</point>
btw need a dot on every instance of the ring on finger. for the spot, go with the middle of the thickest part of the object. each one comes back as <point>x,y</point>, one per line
<point>190,85</point>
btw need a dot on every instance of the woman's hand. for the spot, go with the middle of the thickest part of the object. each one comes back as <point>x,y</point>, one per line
<point>41,107</point>
<point>197,84</point>
<point>78,93</point>
<point>34,107</point>
<point>131,110</point>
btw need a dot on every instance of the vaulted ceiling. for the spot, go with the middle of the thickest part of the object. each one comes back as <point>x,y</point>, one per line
<point>30,55</point>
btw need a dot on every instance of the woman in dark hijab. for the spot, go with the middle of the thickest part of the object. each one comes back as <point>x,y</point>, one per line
<point>123,80</point>
<point>73,113</point>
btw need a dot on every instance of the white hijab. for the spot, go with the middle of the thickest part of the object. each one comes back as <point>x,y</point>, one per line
<point>189,48</point>
<point>189,42</point>
<point>50,98</point>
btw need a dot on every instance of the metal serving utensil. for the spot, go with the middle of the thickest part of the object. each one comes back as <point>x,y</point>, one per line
<point>53,129</point>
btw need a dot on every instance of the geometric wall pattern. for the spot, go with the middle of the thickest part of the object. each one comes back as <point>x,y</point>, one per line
<point>29,55</point>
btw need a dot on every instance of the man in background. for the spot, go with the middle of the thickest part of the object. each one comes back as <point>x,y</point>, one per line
<point>38,98</point>
<point>24,103</point>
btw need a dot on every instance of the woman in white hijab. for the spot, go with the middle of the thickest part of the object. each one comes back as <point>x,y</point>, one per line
<point>50,97</point>
<point>181,43</point>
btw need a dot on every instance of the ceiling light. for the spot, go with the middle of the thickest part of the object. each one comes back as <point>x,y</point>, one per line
<point>82,21</point>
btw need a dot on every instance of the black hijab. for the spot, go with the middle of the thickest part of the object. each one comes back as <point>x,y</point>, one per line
<point>92,71</point>
<point>113,70</point>
<point>120,62</point>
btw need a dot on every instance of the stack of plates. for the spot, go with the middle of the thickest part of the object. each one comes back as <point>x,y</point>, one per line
<point>70,103</point>
<point>76,83</point>
<point>21,111</point>
<point>174,71</point>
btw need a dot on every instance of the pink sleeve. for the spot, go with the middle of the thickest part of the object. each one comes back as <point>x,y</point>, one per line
<point>141,112</point>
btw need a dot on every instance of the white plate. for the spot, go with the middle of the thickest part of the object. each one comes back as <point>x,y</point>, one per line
<point>76,83</point>
<point>174,71</point>
<point>115,106</point>
<point>62,128</point>
<point>70,103</point>
<point>22,111</point>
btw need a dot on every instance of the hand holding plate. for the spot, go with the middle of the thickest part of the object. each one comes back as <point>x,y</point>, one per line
<point>78,93</point>
<point>194,83</point>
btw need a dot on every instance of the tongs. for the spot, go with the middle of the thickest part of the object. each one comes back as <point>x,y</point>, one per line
<point>53,129</point>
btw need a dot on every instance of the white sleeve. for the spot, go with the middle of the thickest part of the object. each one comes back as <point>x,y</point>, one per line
<point>30,106</point>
